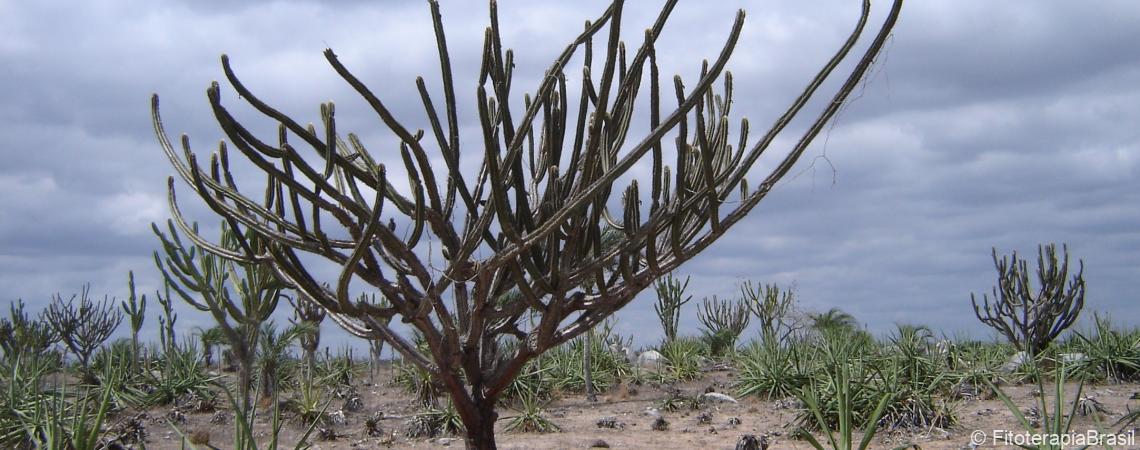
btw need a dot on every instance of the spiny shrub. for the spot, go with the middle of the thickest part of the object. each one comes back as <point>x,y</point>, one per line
<point>562,367</point>
<point>434,422</point>
<point>531,418</point>
<point>419,382</point>
<point>181,375</point>
<point>683,357</point>
<point>772,371</point>
<point>1108,355</point>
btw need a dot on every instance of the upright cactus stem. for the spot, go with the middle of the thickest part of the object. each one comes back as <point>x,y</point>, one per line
<point>528,216</point>
<point>725,320</point>
<point>240,297</point>
<point>774,308</point>
<point>135,309</point>
<point>305,311</point>
<point>166,334</point>
<point>670,299</point>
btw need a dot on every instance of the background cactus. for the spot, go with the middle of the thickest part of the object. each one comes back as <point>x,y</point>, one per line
<point>135,309</point>
<point>240,297</point>
<point>1033,316</point>
<point>670,299</point>
<point>723,321</point>
<point>775,308</point>
<point>21,334</point>
<point>166,334</point>
<point>82,327</point>
<point>307,312</point>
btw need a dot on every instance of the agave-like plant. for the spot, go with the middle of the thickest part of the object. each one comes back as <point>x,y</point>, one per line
<point>683,358</point>
<point>274,364</point>
<point>840,437</point>
<point>73,420</point>
<point>1055,420</point>
<point>179,375</point>
<point>772,371</point>
<point>22,397</point>
<point>1109,355</point>
<point>244,436</point>
<point>531,417</point>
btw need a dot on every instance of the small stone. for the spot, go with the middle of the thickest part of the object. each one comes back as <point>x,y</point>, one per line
<point>734,421</point>
<point>598,443</point>
<point>651,359</point>
<point>718,397</point>
<point>1014,362</point>
<point>446,442</point>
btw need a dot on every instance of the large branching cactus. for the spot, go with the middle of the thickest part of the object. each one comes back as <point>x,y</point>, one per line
<point>1033,316</point>
<point>528,216</point>
<point>240,297</point>
<point>82,326</point>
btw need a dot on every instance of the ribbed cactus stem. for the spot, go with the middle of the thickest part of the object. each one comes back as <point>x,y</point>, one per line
<point>240,297</point>
<point>135,308</point>
<point>444,240</point>
<point>670,299</point>
<point>1031,315</point>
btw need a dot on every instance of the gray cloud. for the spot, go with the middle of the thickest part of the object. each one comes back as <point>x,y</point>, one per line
<point>985,125</point>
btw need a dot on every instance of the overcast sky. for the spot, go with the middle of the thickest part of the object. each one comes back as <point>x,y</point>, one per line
<point>984,124</point>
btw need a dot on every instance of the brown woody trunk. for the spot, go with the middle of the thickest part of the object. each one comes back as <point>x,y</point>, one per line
<point>480,425</point>
<point>475,409</point>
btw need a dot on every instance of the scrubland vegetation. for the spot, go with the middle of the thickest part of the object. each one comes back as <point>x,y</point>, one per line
<point>65,387</point>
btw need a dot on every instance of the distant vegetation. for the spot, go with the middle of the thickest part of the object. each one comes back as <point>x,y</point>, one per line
<point>841,377</point>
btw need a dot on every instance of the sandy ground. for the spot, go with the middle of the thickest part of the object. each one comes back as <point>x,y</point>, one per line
<point>577,419</point>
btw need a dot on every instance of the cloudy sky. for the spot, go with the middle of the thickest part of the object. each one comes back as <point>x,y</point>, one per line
<point>984,124</point>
